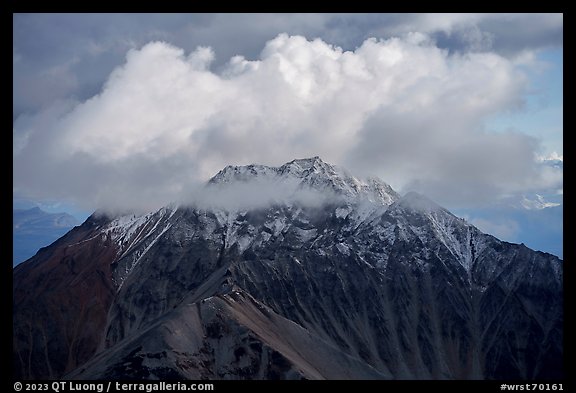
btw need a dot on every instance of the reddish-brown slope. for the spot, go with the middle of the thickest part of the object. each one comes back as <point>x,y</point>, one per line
<point>62,296</point>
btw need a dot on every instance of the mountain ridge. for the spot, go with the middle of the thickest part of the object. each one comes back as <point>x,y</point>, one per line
<point>390,287</point>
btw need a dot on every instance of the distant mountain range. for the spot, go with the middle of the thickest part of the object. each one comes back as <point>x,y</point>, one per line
<point>34,228</point>
<point>301,271</point>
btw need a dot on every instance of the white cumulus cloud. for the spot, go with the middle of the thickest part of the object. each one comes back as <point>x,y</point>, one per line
<point>401,108</point>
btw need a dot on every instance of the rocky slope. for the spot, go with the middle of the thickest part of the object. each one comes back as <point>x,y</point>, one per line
<point>319,275</point>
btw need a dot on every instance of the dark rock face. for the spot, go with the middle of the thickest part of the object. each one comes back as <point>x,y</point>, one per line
<point>368,285</point>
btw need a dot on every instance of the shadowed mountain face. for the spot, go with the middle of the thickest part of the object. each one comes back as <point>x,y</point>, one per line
<point>34,228</point>
<point>327,277</point>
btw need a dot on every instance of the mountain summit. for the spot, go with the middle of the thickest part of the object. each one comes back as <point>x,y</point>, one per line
<point>309,174</point>
<point>328,277</point>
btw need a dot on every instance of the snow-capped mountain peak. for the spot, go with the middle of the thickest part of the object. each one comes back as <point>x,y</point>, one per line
<point>299,168</point>
<point>246,173</point>
<point>302,166</point>
<point>308,174</point>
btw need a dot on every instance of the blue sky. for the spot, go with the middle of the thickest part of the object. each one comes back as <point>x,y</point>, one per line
<point>542,115</point>
<point>133,111</point>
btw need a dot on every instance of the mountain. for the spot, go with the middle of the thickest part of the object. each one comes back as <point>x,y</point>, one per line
<point>34,228</point>
<point>537,220</point>
<point>320,275</point>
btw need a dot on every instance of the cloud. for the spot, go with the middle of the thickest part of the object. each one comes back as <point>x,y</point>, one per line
<point>257,193</point>
<point>82,49</point>
<point>506,34</point>
<point>165,121</point>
